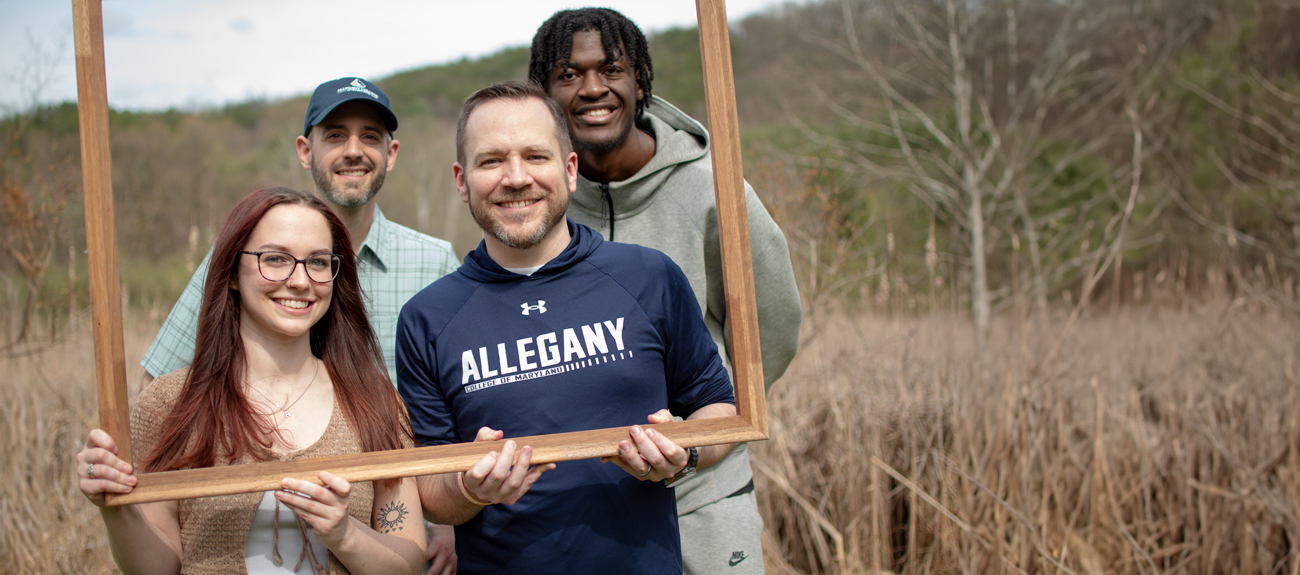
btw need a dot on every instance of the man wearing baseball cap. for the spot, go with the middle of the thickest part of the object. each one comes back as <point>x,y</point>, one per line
<point>335,92</point>
<point>347,143</point>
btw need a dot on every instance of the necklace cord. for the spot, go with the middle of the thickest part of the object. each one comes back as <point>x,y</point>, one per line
<point>285,409</point>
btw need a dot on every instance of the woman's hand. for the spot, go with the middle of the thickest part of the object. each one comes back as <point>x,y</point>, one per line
<point>99,469</point>
<point>325,508</point>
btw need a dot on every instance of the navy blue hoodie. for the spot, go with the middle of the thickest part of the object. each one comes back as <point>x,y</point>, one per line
<point>601,336</point>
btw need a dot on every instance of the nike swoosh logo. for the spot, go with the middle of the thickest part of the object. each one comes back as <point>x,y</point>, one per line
<point>734,561</point>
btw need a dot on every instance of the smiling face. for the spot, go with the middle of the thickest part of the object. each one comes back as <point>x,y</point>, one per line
<point>516,177</point>
<point>283,310</point>
<point>349,154</point>
<point>599,95</point>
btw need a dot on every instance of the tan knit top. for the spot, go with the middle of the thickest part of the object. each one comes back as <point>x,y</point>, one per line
<point>214,529</point>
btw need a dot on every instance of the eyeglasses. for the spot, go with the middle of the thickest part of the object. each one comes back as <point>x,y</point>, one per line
<point>279,266</point>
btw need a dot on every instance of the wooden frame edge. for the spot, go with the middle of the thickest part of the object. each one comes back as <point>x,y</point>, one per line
<point>110,364</point>
<point>733,220</point>
<point>101,234</point>
<point>369,466</point>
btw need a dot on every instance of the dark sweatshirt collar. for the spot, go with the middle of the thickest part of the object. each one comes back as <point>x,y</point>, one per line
<point>479,266</point>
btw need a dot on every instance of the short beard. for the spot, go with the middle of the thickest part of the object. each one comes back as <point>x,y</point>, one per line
<point>498,231</point>
<point>321,176</point>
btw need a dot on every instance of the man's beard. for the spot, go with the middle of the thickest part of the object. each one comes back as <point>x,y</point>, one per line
<point>559,206</point>
<point>321,176</point>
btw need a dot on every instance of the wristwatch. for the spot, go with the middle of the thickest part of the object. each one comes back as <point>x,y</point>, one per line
<point>686,472</point>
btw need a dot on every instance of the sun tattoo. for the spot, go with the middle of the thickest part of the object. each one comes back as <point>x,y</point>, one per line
<point>391,517</point>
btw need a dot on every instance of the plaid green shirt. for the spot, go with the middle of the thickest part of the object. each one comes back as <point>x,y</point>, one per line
<point>395,263</point>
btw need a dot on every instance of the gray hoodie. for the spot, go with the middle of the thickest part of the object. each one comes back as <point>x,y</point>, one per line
<point>669,205</point>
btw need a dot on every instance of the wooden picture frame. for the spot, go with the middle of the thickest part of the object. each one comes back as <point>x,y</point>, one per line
<point>106,309</point>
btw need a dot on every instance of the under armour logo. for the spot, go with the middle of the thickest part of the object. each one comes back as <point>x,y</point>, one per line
<point>736,558</point>
<point>540,307</point>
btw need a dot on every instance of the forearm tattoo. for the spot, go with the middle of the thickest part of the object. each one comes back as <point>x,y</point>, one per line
<point>392,517</point>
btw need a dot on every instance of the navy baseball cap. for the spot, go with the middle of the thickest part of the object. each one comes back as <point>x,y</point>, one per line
<point>334,92</point>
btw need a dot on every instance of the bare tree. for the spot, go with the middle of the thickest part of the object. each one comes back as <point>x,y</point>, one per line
<point>985,105</point>
<point>31,214</point>
<point>36,71</point>
<point>32,193</point>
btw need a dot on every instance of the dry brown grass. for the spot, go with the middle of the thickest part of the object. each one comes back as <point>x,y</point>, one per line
<point>47,404</point>
<point>1164,441</point>
<point>894,450</point>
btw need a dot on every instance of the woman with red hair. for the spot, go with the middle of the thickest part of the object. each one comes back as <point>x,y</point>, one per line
<point>286,367</point>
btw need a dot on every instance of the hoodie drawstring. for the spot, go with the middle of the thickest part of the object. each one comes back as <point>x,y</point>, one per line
<point>608,202</point>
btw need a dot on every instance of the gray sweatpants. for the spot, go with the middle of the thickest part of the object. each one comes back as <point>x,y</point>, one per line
<point>723,537</point>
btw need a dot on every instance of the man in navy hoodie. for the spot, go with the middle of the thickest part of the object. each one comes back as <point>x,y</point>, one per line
<point>546,328</point>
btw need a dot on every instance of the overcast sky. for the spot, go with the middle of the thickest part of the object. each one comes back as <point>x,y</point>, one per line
<point>194,53</point>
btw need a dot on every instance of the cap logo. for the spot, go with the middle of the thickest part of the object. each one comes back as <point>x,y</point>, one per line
<point>357,86</point>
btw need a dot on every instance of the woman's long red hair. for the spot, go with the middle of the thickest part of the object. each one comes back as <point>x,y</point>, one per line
<point>213,418</point>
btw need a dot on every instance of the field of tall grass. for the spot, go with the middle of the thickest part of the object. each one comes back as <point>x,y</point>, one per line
<point>1162,439</point>
<point>47,404</point>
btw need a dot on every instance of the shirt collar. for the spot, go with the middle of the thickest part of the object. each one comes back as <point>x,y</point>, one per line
<point>376,249</point>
